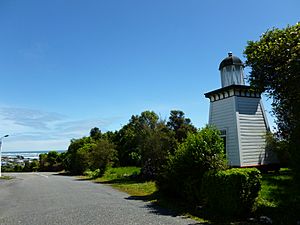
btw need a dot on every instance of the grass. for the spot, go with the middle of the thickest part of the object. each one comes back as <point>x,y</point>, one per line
<point>6,178</point>
<point>278,199</point>
<point>119,174</point>
<point>124,179</point>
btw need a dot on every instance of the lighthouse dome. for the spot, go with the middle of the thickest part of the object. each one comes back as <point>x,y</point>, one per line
<point>232,71</point>
<point>231,60</point>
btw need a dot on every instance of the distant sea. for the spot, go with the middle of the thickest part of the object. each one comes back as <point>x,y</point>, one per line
<point>27,154</point>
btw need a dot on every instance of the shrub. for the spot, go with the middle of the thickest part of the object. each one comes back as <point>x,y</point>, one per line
<point>101,155</point>
<point>50,162</point>
<point>201,152</point>
<point>279,147</point>
<point>154,150</point>
<point>89,154</point>
<point>76,158</point>
<point>93,174</point>
<point>231,192</point>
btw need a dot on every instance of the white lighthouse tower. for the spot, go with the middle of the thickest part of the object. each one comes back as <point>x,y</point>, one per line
<point>237,111</point>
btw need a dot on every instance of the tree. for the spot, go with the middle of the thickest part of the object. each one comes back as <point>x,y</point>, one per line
<point>52,157</point>
<point>147,119</point>
<point>76,158</point>
<point>51,161</point>
<point>155,149</point>
<point>101,155</point>
<point>127,144</point>
<point>180,125</point>
<point>132,135</point>
<point>275,68</point>
<point>43,162</point>
<point>110,135</point>
<point>86,153</point>
<point>95,133</point>
<point>200,152</point>
<point>30,166</point>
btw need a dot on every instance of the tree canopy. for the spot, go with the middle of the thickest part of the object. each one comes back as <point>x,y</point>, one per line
<point>180,125</point>
<point>145,141</point>
<point>275,68</point>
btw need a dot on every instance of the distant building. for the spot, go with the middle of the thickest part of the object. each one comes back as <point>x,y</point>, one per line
<point>237,111</point>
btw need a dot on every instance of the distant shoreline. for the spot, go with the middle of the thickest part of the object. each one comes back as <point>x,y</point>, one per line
<point>38,151</point>
<point>27,154</point>
<point>13,158</point>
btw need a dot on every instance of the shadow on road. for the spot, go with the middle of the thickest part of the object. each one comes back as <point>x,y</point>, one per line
<point>153,203</point>
<point>152,207</point>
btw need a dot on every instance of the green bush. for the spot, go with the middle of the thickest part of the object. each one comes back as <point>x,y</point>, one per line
<point>76,158</point>
<point>102,155</point>
<point>89,154</point>
<point>154,148</point>
<point>201,152</point>
<point>231,192</point>
<point>278,148</point>
<point>93,174</point>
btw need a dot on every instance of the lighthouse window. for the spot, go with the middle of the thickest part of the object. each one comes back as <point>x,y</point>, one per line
<point>223,136</point>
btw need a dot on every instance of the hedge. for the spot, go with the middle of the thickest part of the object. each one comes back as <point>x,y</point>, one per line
<point>181,177</point>
<point>231,192</point>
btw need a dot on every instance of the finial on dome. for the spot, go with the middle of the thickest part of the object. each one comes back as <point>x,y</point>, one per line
<point>230,60</point>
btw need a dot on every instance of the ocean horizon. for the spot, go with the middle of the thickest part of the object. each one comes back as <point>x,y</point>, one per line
<point>28,154</point>
<point>29,151</point>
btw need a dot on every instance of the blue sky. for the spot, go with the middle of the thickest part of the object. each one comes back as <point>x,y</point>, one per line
<point>68,66</point>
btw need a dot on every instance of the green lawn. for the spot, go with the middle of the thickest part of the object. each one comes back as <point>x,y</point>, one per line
<point>123,178</point>
<point>279,198</point>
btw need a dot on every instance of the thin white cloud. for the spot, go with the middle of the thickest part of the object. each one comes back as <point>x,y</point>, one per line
<point>82,125</point>
<point>31,129</point>
<point>29,117</point>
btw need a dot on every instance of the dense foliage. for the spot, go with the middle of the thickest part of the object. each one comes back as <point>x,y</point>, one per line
<point>157,144</point>
<point>101,155</point>
<point>199,153</point>
<point>279,147</point>
<point>231,192</point>
<point>275,68</point>
<point>51,161</point>
<point>180,125</point>
<point>146,141</point>
<point>88,153</point>
<point>76,161</point>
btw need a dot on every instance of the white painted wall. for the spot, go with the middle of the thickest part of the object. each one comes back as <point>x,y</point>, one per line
<point>223,116</point>
<point>246,125</point>
<point>252,130</point>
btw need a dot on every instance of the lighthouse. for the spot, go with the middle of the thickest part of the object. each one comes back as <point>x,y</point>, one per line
<point>237,111</point>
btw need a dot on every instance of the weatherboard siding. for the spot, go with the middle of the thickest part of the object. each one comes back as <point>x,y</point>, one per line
<point>223,116</point>
<point>252,131</point>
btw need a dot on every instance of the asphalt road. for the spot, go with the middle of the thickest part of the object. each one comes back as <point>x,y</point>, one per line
<point>45,198</point>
